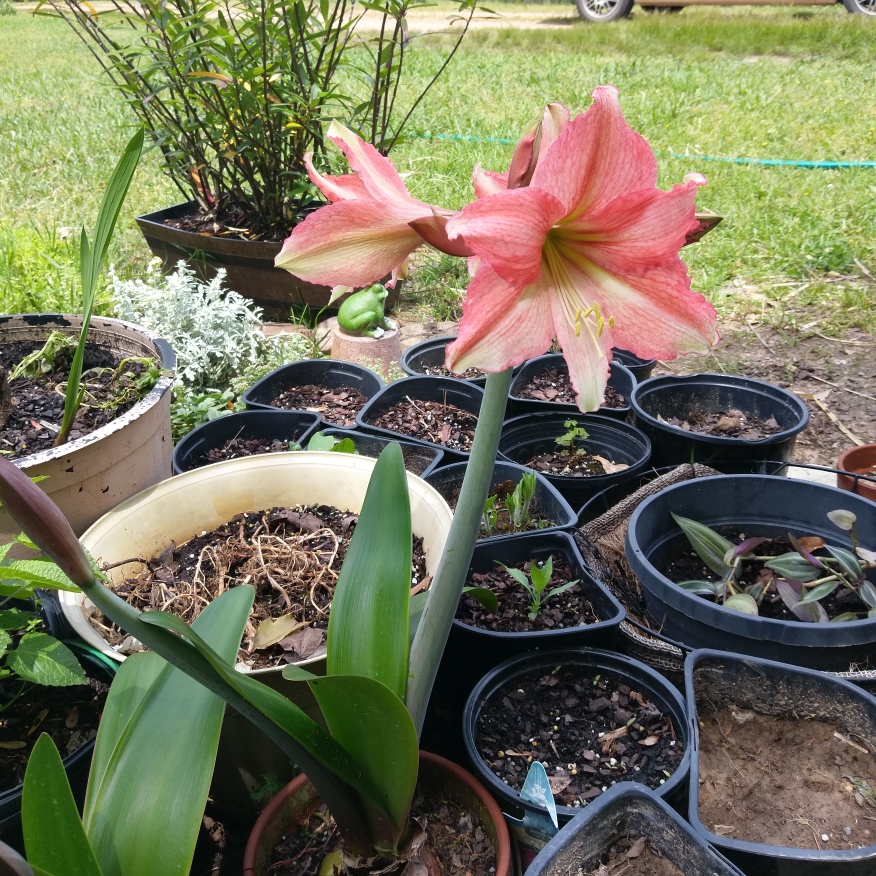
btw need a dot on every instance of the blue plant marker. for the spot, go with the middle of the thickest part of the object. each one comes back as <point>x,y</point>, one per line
<point>537,789</point>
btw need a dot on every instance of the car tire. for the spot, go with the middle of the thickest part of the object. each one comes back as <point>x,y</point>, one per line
<point>599,11</point>
<point>662,10</point>
<point>859,7</point>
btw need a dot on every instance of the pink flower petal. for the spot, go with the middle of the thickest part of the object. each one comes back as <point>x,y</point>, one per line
<point>353,243</point>
<point>508,231</point>
<point>553,122</point>
<point>488,182</point>
<point>596,158</point>
<point>524,159</point>
<point>501,325</point>
<point>433,229</point>
<point>336,188</point>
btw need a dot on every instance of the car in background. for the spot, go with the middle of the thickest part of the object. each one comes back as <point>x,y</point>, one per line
<point>612,10</point>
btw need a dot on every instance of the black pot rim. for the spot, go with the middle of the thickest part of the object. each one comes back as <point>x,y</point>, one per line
<point>788,853</point>
<point>792,633</point>
<point>653,383</point>
<point>609,661</point>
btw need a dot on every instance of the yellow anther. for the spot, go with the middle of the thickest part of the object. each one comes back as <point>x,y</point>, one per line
<point>611,322</point>
<point>578,316</point>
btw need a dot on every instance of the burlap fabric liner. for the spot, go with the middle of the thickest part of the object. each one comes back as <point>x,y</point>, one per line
<point>601,543</point>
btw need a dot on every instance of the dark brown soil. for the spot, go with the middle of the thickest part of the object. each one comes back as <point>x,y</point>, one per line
<point>682,564</point>
<point>553,385</point>
<point>725,424</point>
<point>589,733</point>
<point>437,422</point>
<point>69,715</point>
<point>338,405</point>
<point>234,222</point>
<point>503,518</point>
<point>785,782</point>
<point>235,448</point>
<point>38,408</point>
<point>568,463</point>
<point>441,371</point>
<point>292,557</point>
<point>454,836</point>
<point>635,857</point>
<point>569,609</point>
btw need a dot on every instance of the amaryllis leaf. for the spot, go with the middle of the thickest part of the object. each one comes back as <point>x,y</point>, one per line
<point>790,591</point>
<point>867,592</point>
<point>844,617</point>
<point>556,591</point>
<point>701,588</point>
<point>819,592</point>
<point>517,575</point>
<point>848,562</point>
<point>485,597</point>
<point>741,602</point>
<point>710,547</point>
<point>368,630</point>
<point>810,558</point>
<point>792,565</point>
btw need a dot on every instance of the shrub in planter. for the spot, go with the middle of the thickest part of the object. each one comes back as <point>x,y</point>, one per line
<point>756,506</point>
<point>722,420</point>
<point>782,755</point>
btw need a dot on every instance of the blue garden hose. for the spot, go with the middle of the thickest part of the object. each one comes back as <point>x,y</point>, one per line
<point>763,162</point>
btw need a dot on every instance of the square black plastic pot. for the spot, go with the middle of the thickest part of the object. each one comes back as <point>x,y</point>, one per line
<point>461,393</point>
<point>779,690</point>
<point>640,368</point>
<point>332,373</point>
<point>532,434</point>
<point>419,459</point>
<point>759,505</point>
<point>551,504</point>
<point>677,396</point>
<point>430,354</point>
<point>620,379</point>
<point>191,451</point>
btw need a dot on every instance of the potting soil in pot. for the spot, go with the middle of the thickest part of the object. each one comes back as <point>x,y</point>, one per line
<point>785,782</point>
<point>573,463</point>
<point>554,385</point>
<point>337,405</point>
<point>635,857</point>
<point>37,403</point>
<point>568,609</point>
<point>441,371</point>
<point>453,835</point>
<point>504,524</point>
<point>589,733</point>
<point>235,448</point>
<point>291,556</point>
<point>438,422</point>
<point>725,424</point>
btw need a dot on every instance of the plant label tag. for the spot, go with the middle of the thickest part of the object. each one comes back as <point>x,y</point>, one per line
<point>537,789</point>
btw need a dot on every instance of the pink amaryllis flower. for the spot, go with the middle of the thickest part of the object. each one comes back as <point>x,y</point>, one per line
<point>586,253</point>
<point>365,232</point>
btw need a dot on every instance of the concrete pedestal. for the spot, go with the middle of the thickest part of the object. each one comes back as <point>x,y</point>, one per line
<point>378,354</point>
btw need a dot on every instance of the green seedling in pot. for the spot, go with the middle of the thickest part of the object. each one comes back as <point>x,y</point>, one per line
<point>319,441</point>
<point>518,503</point>
<point>362,313</point>
<point>536,584</point>
<point>573,434</point>
<point>800,577</point>
<point>491,515</point>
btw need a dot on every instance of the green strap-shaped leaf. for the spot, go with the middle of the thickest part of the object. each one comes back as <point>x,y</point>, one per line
<point>154,771</point>
<point>53,834</point>
<point>42,659</point>
<point>710,547</point>
<point>368,624</point>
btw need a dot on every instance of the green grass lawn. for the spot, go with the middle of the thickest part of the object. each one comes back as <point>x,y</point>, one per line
<point>721,82</point>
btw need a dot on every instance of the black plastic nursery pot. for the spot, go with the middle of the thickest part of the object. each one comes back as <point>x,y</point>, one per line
<point>430,354</point>
<point>551,505</point>
<point>191,452</point>
<point>758,505</point>
<point>592,662</point>
<point>419,459</point>
<point>460,393</point>
<point>715,681</point>
<point>621,379</point>
<point>532,434</point>
<point>333,373</point>
<point>640,368</point>
<point>627,812</point>
<point>706,393</point>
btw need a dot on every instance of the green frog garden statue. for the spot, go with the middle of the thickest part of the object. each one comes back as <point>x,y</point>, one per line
<point>364,334</point>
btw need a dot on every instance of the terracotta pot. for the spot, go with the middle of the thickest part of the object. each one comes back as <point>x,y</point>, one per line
<point>858,460</point>
<point>299,798</point>
<point>88,476</point>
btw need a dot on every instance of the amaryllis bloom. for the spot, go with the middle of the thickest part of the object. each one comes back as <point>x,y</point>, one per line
<point>587,253</point>
<point>365,233</point>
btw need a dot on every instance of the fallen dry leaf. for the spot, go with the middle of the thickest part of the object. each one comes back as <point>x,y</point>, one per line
<point>609,466</point>
<point>559,783</point>
<point>304,642</point>
<point>637,847</point>
<point>272,631</point>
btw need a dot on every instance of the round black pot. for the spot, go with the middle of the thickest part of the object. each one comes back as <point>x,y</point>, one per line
<point>620,379</point>
<point>625,812</point>
<point>76,765</point>
<point>678,396</point>
<point>332,373</point>
<point>640,677</point>
<point>640,368</point>
<point>419,459</point>
<point>760,505</point>
<point>430,354</point>
<point>470,652</point>
<point>191,452</point>
<point>531,434</point>
<point>721,680</point>
<point>551,504</point>
<point>461,393</point>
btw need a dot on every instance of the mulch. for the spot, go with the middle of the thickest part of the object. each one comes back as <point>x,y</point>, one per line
<point>553,385</point>
<point>437,422</point>
<point>337,405</point>
<point>725,424</point>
